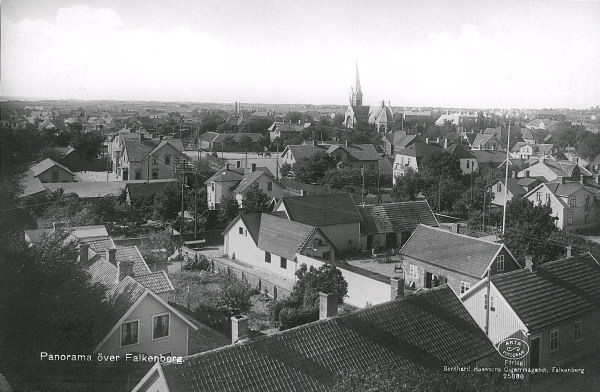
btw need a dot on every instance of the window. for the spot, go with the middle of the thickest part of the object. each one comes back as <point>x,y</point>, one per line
<point>167,159</point>
<point>212,186</point>
<point>547,198</point>
<point>413,272</point>
<point>154,174</point>
<point>492,304</point>
<point>267,257</point>
<point>269,186</point>
<point>485,301</point>
<point>578,334</point>
<point>464,287</point>
<point>241,230</point>
<point>238,164</point>
<point>554,339</point>
<point>570,218</point>
<point>538,196</point>
<point>573,201</point>
<point>500,263</point>
<point>160,326</point>
<point>283,262</point>
<point>468,164</point>
<point>129,333</point>
<point>138,174</point>
<point>586,217</point>
<point>499,187</point>
<point>154,160</point>
<point>587,200</point>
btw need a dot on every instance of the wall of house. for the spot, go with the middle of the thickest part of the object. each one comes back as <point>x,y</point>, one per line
<point>499,194</point>
<point>63,175</point>
<point>562,212</point>
<point>568,349</point>
<point>176,343</point>
<point>453,278</point>
<point>241,246</point>
<point>539,170</point>
<point>263,184</point>
<point>503,321</point>
<point>402,163</point>
<point>164,170</point>
<point>509,263</point>
<point>154,383</point>
<point>345,237</point>
<point>221,189</point>
<point>379,240</point>
<point>472,163</point>
<point>362,290</point>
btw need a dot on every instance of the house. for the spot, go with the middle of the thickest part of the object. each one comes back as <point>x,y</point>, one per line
<point>540,124</point>
<point>595,165</point>
<point>468,138</point>
<point>51,171</point>
<point>422,330</point>
<point>355,156</point>
<point>389,225</point>
<point>553,307</point>
<point>487,141</point>
<point>489,157</point>
<point>78,233</point>
<point>143,158</point>
<point>551,170</point>
<point>51,124</point>
<point>409,157</point>
<point>335,215</point>
<point>575,204</point>
<point>236,142</point>
<point>533,136</point>
<point>283,130</point>
<point>524,150</point>
<point>516,187</point>
<point>434,256</point>
<point>234,182</point>
<point>73,160</point>
<point>397,140</point>
<point>468,161</point>
<point>296,152</point>
<point>271,242</point>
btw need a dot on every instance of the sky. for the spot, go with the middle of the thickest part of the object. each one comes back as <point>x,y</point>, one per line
<point>461,53</point>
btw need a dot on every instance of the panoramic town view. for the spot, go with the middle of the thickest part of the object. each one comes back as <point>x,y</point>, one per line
<point>300,196</point>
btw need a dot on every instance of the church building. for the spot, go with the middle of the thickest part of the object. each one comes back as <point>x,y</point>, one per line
<point>358,114</point>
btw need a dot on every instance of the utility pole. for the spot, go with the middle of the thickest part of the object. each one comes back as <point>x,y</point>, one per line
<point>378,187</point>
<point>148,171</point>
<point>484,192</point>
<point>182,218</point>
<point>196,203</point>
<point>506,179</point>
<point>362,194</point>
<point>440,194</point>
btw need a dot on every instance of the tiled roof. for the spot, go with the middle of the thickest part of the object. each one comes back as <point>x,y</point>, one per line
<point>121,297</point>
<point>357,152</point>
<point>157,281</point>
<point>513,187</point>
<point>283,237</point>
<point>46,164</point>
<point>395,217</point>
<point>401,139</point>
<point>556,291</point>
<point>419,150</point>
<point>99,245</point>
<point>137,150</point>
<point>456,252</point>
<point>322,210</point>
<point>177,144</point>
<point>565,168</point>
<point>132,253</point>
<point>428,329</point>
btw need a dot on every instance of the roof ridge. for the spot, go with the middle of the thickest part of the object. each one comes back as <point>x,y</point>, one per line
<point>459,234</point>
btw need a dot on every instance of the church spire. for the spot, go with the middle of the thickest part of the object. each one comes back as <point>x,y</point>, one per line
<point>357,91</point>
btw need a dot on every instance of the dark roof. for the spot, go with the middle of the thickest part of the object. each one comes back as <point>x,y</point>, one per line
<point>419,150</point>
<point>283,237</point>
<point>248,180</point>
<point>46,164</point>
<point>141,189</point>
<point>429,329</point>
<point>286,127</point>
<point>137,150</point>
<point>490,156</point>
<point>226,175</point>
<point>451,251</point>
<point>254,137</point>
<point>556,291</point>
<point>252,222</point>
<point>302,151</point>
<point>357,152</point>
<point>482,138</point>
<point>322,210</point>
<point>514,186</point>
<point>459,151</point>
<point>395,217</point>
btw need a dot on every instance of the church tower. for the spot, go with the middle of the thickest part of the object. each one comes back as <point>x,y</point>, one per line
<point>357,94</point>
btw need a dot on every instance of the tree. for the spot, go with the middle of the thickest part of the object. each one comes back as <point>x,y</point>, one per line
<point>88,144</point>
<point>245,142</point>
<point>229,209</point>
<point>408,186</point>
<point>47,304</point>
<point>589,146</point>
<point>234,298</point>
<point>167,204</point>
<point>528,228</point>
<point>157,246</point>
<point>285,169</point>
<point>442,164</point>
<point>255,200</point>
<point>311,170</point>
<point>327,278</point>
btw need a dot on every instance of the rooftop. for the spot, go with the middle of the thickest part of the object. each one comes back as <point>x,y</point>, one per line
<point>322,210</point>
<point>396,217</point>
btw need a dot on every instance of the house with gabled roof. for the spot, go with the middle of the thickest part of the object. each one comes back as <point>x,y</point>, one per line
<point>51,171</point>
<point>524,150</point>
<point>355,155</point>
<point>234,182</point>
<point>554,307</point>
<point>296,152</point>
<point>397,140</point>
<point>335,215</point>
<point>410,157</point>
<point>240,142</point>
<point>468,161</point>
<point>551,170</point>
<point>435,256</point>
<point>487,141</point>
<point>389,225</point>
<point>517,187</point>
<point>285,130</point>
<point>429,329</point>
<point>576,205</point>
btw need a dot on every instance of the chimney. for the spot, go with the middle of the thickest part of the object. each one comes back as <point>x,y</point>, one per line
<point>529,263</point>
<point>239,328</point>
<point>160,137</point>
<point>397,287</point>
<point>581,179</point>
<point>569,251</point>
<point>561,180</point>
<point>125,268</point>
<point>427,140</point>
<point>526,173</point>
<point>446,143</point>
<point>59,225</point>
<point>83,253</point>
<point>327,305</point>
<point>111,255</point>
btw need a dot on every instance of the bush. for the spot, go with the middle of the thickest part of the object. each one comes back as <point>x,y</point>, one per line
<point>293,317</point>
<point>197,264</point>
<point>234,298</point>
<point>213,317</point>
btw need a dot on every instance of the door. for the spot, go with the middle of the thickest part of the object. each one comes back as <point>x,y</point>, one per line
<point>534,354</point>
<point>125,174</point>
<point>428,280</point>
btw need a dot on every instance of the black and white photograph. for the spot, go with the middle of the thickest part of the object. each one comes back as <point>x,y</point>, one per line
<point>320,196</point>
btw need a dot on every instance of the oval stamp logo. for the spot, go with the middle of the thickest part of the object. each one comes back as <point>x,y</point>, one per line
<point>513,348</point>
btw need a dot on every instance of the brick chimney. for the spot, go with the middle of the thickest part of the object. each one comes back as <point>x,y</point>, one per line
<point>111,256</point>
<point>529,263</point>
<point>397,287</point>
<point>327,305</point>
<point>125,269</point>
<point>239,328</point>
<point>569,251</point>
<point>84,253</point>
